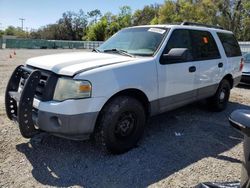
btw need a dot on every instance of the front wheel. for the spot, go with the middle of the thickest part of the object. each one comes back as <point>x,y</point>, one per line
<point>219,101</point>
<point>121,124</point>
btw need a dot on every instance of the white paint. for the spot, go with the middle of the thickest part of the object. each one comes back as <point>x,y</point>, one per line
<point>70,63</point>
<point>110,73</point>
<point>71,107</point>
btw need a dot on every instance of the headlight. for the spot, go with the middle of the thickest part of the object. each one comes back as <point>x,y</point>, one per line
<point>67,88</point>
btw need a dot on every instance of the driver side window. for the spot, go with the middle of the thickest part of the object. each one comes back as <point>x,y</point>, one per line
<point>180,38</point>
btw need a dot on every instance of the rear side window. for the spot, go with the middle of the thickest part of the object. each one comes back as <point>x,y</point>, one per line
<point>230,44</point>
<point>204,45</point>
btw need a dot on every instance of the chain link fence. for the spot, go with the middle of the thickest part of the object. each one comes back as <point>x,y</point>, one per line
<point>51,44</point>
<point>54,44</point>
<point>245,46</point>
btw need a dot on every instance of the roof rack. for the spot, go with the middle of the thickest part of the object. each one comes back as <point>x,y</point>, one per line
<point>202,25</point>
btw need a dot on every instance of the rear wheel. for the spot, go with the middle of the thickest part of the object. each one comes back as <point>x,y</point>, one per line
<point>121,124</point>
<point>220,100</point>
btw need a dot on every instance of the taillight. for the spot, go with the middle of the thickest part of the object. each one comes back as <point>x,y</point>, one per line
<point>241,64</point>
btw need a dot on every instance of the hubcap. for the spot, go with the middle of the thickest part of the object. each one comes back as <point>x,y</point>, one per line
<point>125,125</point>
<point>222,95</point>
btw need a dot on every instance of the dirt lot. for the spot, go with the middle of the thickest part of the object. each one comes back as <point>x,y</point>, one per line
<point>205,148</point>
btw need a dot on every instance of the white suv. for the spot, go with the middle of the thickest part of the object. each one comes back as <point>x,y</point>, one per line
<point>110,92</point>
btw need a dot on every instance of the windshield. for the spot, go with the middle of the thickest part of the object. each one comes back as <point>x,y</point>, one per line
<point>142,41</point>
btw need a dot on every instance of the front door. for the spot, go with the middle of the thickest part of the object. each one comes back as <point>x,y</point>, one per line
<point>176,79</point>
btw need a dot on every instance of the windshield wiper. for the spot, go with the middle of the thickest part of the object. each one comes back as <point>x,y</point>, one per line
<point>122,52</point>
<point>95,50</point>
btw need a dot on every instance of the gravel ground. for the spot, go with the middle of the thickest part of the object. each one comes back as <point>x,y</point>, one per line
<point>179,148</point>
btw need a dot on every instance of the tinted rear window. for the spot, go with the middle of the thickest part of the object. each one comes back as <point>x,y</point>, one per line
<point>230,44</point>
<point>205,47</point>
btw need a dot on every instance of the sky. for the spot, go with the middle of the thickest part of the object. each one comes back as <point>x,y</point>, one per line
<point>40,13</point>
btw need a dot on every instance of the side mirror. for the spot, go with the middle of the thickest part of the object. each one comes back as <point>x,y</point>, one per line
<point>176,55</point>
<point>240,119</point>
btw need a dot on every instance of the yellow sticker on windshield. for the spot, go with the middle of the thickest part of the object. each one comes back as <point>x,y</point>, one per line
<point>157,30</point>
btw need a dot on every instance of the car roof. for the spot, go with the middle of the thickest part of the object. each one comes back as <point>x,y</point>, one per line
<point>173,26</point>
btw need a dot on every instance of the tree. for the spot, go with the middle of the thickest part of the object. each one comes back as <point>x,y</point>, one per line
<point>96,32</point>
<point>112,24</point>
<point>202,11</point>
<point>244,34</point>
<point>109,24</point>
<point>51,32</point>
<point>231,14</point>
<point>1,33</point>
<point>72,25</point>
<point>69,27</point>
<point>124,17</point>
<point>146,15</point>
<point>167,12</point>
<point>94,15</point>
<point>35,34</point>
<point>11,30</point>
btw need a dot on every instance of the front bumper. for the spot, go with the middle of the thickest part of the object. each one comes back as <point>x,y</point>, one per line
<point>74,119</point>
<point>76,127</point>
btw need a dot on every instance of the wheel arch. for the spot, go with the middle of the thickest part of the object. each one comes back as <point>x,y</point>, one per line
<point>229,77</point>
<point>135,93</point>
<point>132,92</point>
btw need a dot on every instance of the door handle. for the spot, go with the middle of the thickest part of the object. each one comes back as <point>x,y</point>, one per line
<point>192,69</point>
<point>220,65</point>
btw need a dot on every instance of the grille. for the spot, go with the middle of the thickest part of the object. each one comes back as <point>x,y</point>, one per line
<point>45,88</point>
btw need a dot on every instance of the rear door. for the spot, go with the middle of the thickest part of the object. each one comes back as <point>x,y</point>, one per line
<point>210,63</point>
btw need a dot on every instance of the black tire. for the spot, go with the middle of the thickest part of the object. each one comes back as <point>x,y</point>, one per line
<point>120,125</point>
<point>219,101</point>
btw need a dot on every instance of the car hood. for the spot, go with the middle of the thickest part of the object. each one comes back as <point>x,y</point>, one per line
<point>72,63</point>
<point>246,67</point>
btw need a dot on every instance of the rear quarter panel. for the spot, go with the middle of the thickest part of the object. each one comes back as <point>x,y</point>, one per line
<point>232,64</point>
